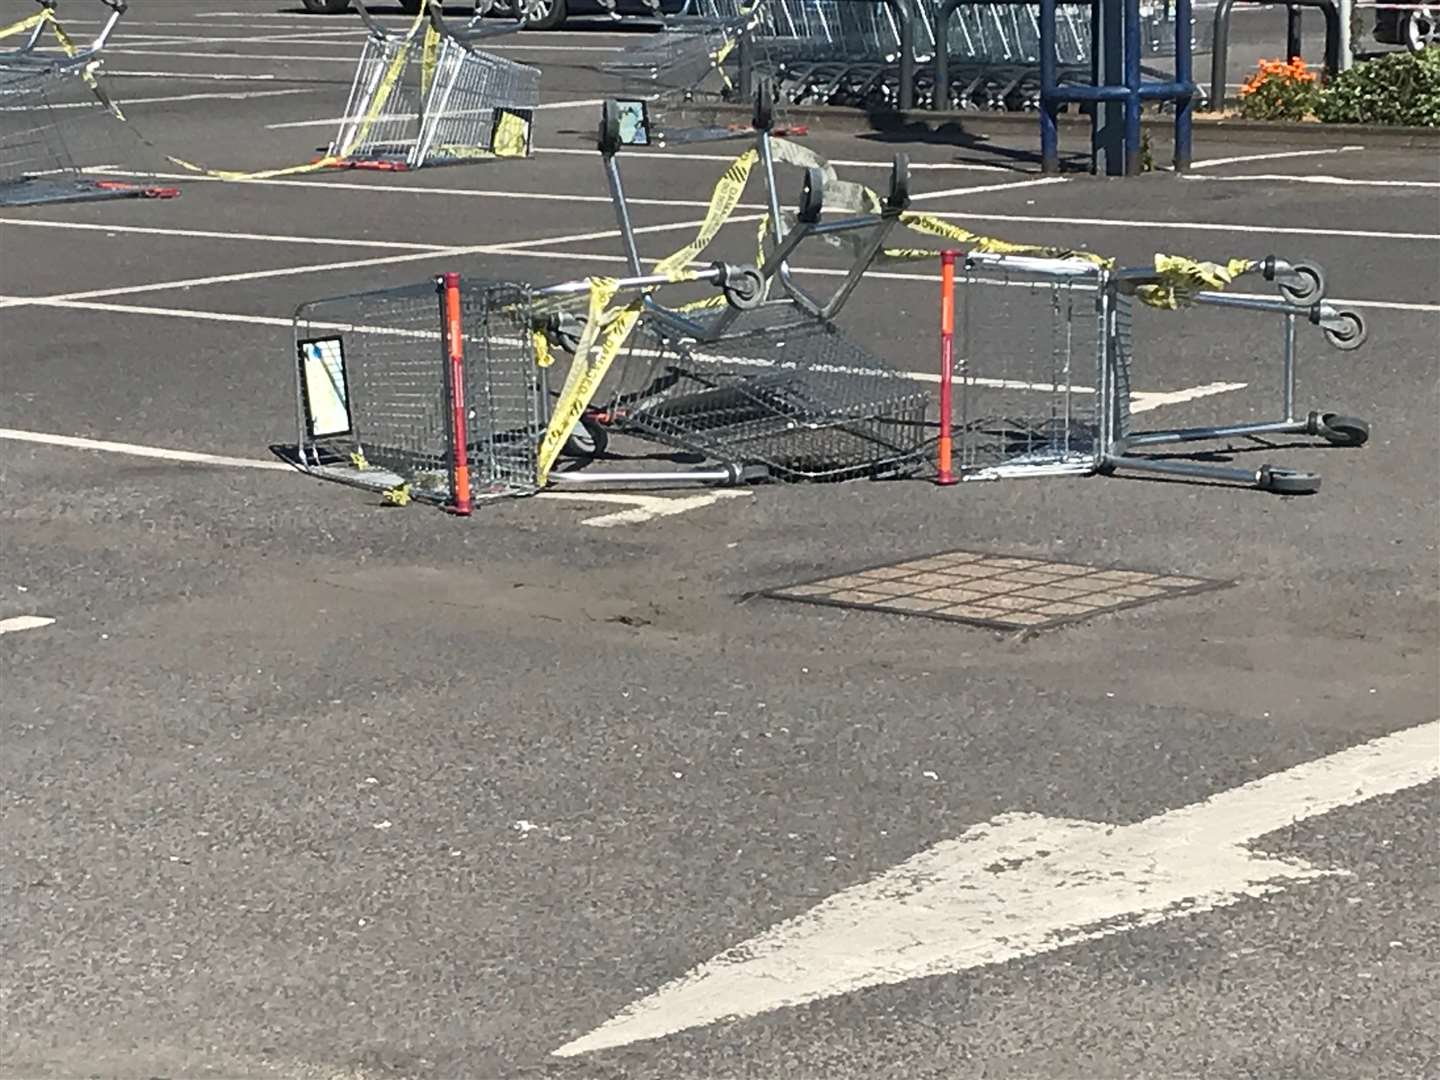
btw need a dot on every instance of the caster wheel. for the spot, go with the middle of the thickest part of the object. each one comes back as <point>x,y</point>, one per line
<point>1349,337</point>
<point>1287,481</point>
<point>1307,286</point>
<point>1340,430</point>
<point>588,440</point>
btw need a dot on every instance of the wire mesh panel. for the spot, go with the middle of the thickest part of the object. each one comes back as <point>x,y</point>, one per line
<point>382,115</point>
<point>795,395</point>
<point>375,400</point>
<point>31,143</point>
<point>480,105</point>
<point>502,388</point>
<point>669,86</point>
<point>410,106</point>
<point>372,408</point>
<point>830,52</point>
<point>56,137</point>
<point>1031,369</point>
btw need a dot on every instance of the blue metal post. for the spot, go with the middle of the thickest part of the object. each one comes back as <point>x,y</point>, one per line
<point>1185,106</point>
<point>1049,105</point>
<point>1132,86</point>
<point>1108,126</point>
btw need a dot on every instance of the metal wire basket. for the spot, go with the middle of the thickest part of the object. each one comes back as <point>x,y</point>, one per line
<point>57,132</point>
<point>779,389</point>
<point>379,403</point>
<point>1045,369</point>
<point>1030,367</point>
<point>431,96</point>
<point>670,86</point>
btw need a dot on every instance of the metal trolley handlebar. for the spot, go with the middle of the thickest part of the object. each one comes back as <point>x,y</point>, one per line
<point>25,57</point>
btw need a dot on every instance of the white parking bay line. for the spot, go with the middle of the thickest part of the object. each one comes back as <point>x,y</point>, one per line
<point>137,450</point>
<point>332,121</point>
<point>638,508</point>
<point>214,95</point>
<point>1212,163</point>
<point>1141,400</point>
<point>1040,181</point>
<point>847,163</point>
<point>1327,181</point>
<point>23,622</point>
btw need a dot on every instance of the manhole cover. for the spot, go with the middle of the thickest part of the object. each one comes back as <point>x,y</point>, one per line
<point>1001,591</point>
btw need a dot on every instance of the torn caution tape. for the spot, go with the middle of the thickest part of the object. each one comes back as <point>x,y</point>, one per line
<point>607,330</point>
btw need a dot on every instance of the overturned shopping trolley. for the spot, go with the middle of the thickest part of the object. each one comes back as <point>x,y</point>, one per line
<point>669,88</point>
<point>430,95</point>
<point>448,391</point>
<point>57,130</point>
<point>1045,352</point>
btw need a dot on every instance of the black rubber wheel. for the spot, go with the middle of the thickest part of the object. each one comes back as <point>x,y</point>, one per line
<point>1288,481</point>
<point>1344,430</point>
<point>1309,288</point>
<point>326,7</point>
<point>545,14</point>
<point>1352,336</point>
<point>588,440</point>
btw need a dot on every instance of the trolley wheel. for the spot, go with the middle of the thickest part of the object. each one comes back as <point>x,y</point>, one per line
<point>328,7</point>
<point>1310,286</point>
<point>744,288</point>
<point>588,440</point>
<point>764,117</point>
<point>1341,430</point>
<point>1351,336</point>
<point>1287,481</point>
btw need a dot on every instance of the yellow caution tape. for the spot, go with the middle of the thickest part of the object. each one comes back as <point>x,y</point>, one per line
<point>429,58</point>
<point>357,459</point>
<point>543,356</point>
<point>388,83</point>
<point>44,15</point>
<point>398,496</point>
<point>68,46</point>
<point>1183,278</point>
<point>606,331</point>
<point>570,407</point>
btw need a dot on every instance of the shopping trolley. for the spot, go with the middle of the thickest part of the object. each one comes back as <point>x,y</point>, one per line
<point>670,86</point>
<point>1045,354</point>
<point>51,112</point>
<point>431,96</point>
<point>449,391</point>
<point>833,52</point>
<point>773,385</point>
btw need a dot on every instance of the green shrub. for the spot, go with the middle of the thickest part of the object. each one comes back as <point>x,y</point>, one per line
<point>1397,88</point>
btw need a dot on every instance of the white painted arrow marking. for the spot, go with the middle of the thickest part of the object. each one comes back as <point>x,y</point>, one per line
<point>23,622</point>
<point>1024,884</point>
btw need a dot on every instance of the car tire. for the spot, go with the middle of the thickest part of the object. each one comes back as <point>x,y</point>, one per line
<point>550,14</point>
<point>326,7</point>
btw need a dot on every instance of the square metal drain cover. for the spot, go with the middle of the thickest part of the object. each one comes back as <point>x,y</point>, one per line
<point>999,591</point>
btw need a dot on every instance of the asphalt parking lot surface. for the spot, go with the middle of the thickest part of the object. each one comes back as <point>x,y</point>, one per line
<point>296,784</point>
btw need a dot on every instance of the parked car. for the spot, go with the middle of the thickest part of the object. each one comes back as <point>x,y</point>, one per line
<point>546,14</point>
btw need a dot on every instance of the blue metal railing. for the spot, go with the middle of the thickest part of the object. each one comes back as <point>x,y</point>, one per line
<point>1120,155</point>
